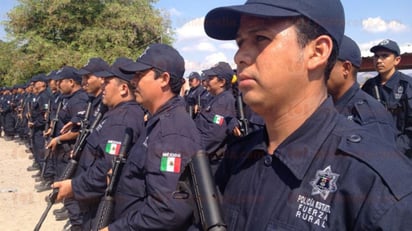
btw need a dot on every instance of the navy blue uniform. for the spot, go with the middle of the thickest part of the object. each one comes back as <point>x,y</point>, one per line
<point>396,96</point>
<point>96,159</point>
<point>39,107</point>
<point>9,116</point>
<point>363,109</point>
<point>144,198</point>
<point>73,106</point>
<point>330,174</point>
<point>193,97</point>
<point>212,122</point>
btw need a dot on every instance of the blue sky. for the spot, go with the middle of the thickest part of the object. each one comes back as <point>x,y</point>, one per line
<point>367,22</point>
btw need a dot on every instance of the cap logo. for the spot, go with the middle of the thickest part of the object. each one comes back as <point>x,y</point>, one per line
<point>144,52</point>
<point>384,42</point>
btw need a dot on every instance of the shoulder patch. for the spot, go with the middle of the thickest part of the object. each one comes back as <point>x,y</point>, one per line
<point>170,162</point>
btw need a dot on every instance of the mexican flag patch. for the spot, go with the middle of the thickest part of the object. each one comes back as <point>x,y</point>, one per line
<point>113,147</point>
<point>218,119</point>
<point>170,162</point>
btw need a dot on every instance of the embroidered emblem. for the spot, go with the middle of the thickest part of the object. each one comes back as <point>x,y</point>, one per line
<point>113,147</point>
<point>218,119</point>
<point>324,182</point>
<point>399,93</point>
<point>170,162</point>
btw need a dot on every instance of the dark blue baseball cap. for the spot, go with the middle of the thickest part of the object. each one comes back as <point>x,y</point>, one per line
<point>221,70</point>
<point>93,66</point>
<point>389,45</point>
<point>39,78</point>
<point>349,51</point>
<point>223,22</point>
<point>68,72</point>
<point>194,75</point>
<point>159,56</point>
<point>52,75</point>
<point>114,70</point>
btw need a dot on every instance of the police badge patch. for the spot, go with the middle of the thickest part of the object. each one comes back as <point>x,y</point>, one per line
<point>324,182</point>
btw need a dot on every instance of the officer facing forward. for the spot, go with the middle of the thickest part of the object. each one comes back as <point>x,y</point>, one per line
<point>393,89</point>
<point>350,100</point>
<point>144,198</point>
<point>310,168</point>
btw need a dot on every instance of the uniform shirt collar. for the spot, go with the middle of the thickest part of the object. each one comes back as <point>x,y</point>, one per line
<point>393,80</point>
<point>347,97</point>
<point>300,148</point>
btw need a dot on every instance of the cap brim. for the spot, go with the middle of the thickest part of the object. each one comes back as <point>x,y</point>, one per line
<point>82,72</point>
<point>379,47</point>
<point>135,67</point>
<point>103,74</point>
<point>222,23</point>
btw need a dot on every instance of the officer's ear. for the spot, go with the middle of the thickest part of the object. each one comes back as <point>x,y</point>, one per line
<point>397,60</point>
<point>165,79</point>
<point>347,68</point>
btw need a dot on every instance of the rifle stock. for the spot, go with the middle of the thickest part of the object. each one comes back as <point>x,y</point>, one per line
<point>243,122</point>
<point>106,206</point>
<point>196,182</point>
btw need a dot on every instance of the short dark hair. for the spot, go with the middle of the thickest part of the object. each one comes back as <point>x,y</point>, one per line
<point>175,83</point>
<point>307,30</point>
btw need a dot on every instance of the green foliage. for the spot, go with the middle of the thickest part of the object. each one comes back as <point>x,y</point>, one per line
<point>48,34</point>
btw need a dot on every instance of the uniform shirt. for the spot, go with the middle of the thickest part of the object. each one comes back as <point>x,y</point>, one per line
<point>330,174</point>
<point>144,198</point>
<point>97,155</point>
<point>396,96</point>
<point>39,108</point>
<point>358,106</point>
<point>73,106</point>
<point>212,122</point>
<point>193,96</point>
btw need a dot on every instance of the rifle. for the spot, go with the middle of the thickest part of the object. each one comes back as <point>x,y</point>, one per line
<point>243,122</point>
<point>52,127</point>
<point>68,171</point>
<point>197,182</point>
<point>104,213</point>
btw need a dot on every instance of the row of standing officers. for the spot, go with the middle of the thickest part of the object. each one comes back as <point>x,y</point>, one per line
<point>144,96</point>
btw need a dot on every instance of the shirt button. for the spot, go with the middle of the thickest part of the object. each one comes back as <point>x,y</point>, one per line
<point>354,138</point>
<point>268,160</point>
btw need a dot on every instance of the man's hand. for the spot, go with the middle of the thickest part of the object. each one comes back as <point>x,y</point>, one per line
<point>67,127</point>
<point>236,132</point>
<point>65,189</point>
<point>30,124</point>
<point>53,143</point>
<point>47,133</point>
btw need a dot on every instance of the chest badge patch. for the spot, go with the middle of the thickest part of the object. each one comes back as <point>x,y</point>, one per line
<point>170,162</point>
<point>324,182</point>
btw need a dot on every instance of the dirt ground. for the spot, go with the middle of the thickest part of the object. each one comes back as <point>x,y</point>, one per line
<point>20,205</point>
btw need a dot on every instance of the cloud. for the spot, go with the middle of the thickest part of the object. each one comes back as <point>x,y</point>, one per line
<point>377,25</point>
<point>191,30</point>
<point>174,12</point>
<point>200,51</point>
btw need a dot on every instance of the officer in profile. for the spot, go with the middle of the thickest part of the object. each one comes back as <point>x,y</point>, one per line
<point>213,119</point>
<point>310,168</point>
<point>89,183</point>
<point>350,100</point>
<point>144,199</point>
<point>193,95</point>
<point>393,89</point>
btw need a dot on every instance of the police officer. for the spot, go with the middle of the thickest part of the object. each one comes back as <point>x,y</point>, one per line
<point>89,184</point>
<point>73,106</point>
<point>350,100</point>
<point>37,122</point>
<point>2,100</point>
<point>144,198</point>
<point>393,89</point>
<point>310,168</point>
<point>193,95</point>
<point>9,114</point>
<point>213,118</point>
